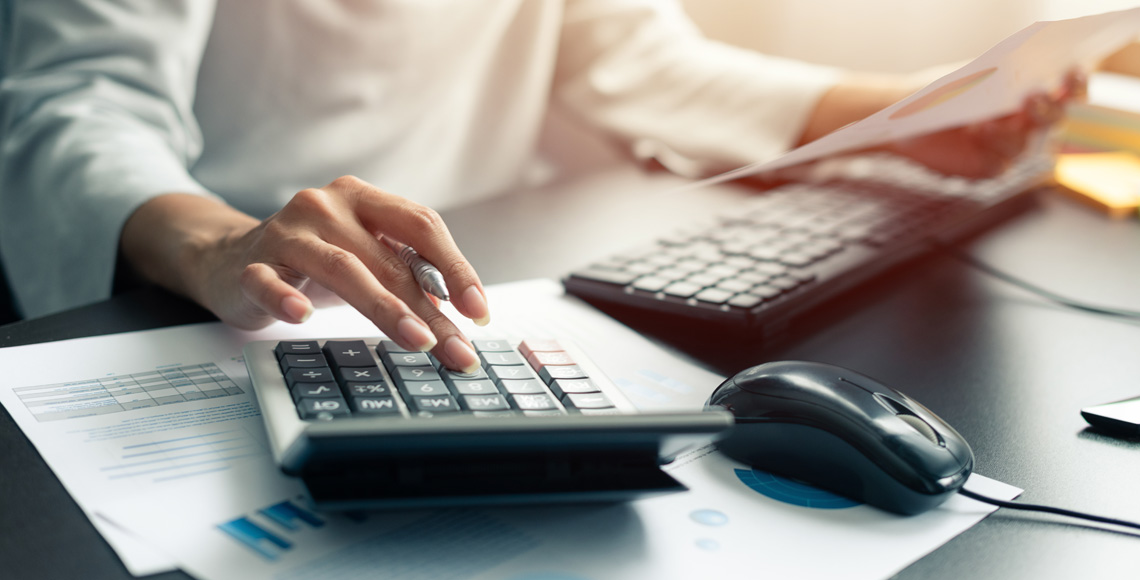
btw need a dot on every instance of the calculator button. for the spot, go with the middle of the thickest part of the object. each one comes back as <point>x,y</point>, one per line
<point>406,359</point>
<point>368,389</point>
<point>534,402</point>
<point>486,403</point>
<point>492,345</point>
<point>500,373</point>
<point>494,414</point>
<point>544,413</point>
<point>376,406</point>
<point>561,387</point>
<point>296,347</point>
<point>609,411</point>
<point>315,408</point>
<point>365,374</point>
<point>501,358</point>
<point>528,347</point>
<point>483,387</point>
<point>541,359</point>
<point>425,388</point>
<point>453,377</point>
<point>442,404</point>
<point>551,373</point>
<point>587,401</point>
<point>388,346</point>
<point>403,374</point>
<point>349,353</point>
<point>302,361</point>
<point>523,387</point>
<point>294,376</point>
<point>315,391</point>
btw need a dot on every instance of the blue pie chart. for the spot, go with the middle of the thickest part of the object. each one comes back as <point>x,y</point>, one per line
<point>791,491</point>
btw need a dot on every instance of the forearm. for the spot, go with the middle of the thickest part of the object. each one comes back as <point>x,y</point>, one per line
<point>855,97</point>
<point>166,240</point>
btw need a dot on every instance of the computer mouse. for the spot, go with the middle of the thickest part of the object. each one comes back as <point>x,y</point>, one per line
<point>841,431</point>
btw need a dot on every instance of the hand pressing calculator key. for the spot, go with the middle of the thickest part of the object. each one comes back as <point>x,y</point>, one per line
<point>367,424</point>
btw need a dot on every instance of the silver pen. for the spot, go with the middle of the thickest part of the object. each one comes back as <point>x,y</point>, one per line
<point>425,273</point>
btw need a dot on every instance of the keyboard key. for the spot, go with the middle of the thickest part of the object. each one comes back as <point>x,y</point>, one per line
<point>376,406</point>
<point>348,353</point>
<point>501,358</point>
<point>713,295</point>
<point>296,347</point>
<point>322,408</point>
<point>486,403</point>
<point>524,387</point>
<point>424,388</point>
<point>551,373</point>
<point>651,283</point>
<point>315,391</point>
<point>534,402</point>
<point>783,284</point>
<point>561,387</point>
<point>294,376</point>
<point>734,285</point>
<point>587,401</point>
<point>745,301</point>
<point>368,389</point>
<point>607,276</point>
<point>441,404</point>
<point>682,289</point>
<point>765,291</point>
<point>703,280</point>
<point>481,387</point>
<point>501,373</point>
<point>364,374</point>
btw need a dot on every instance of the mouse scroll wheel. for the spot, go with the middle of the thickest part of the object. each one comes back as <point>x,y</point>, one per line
<point>920,426</point>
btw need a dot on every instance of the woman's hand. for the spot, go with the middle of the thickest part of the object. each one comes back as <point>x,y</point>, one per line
<point>250,273</point>
<point>986,149</point>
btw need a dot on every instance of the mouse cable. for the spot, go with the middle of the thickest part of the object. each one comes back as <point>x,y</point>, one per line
<point>1033,288</point>
<point>1047,509</point>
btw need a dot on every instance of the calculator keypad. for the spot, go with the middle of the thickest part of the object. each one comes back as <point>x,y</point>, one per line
<point>342,379</point>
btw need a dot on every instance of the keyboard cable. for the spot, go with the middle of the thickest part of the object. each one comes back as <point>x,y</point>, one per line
<point>1035,289</point>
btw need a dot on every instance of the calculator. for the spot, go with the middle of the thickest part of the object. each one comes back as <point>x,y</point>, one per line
<point>366,424</point>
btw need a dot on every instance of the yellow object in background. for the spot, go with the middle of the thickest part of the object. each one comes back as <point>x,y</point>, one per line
<point>1110,181</point>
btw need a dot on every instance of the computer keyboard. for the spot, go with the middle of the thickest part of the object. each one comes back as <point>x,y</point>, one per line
<point>367,424</point>
<point>795,246</point>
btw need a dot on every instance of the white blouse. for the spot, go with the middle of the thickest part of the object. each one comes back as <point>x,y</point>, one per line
<point>107,103</point>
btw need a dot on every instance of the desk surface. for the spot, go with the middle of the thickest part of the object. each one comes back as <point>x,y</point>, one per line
<point>1007,369</point>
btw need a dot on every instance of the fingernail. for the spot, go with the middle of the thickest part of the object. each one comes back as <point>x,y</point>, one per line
<point>476,305</point>
<point>461,355</point>
<point>415,333</point>
<point>297,309</point>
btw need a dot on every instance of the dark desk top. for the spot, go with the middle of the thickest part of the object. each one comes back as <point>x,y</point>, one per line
<point>1007,369</point>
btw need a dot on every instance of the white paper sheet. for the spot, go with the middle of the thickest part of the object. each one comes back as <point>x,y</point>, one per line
<point>995,84</point>
<point>723,528</point>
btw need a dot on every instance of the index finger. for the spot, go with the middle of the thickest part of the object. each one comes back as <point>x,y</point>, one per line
<point>423,229</point>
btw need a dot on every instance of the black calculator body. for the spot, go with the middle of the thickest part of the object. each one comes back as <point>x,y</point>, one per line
<point>368,425</point>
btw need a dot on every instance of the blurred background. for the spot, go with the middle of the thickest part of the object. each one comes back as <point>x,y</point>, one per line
<point>880,35</point>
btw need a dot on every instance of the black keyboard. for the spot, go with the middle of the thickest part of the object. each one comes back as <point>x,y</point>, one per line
<point>367,424</point>
<point>792,247</point>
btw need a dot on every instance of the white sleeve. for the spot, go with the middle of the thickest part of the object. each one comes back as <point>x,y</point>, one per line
<point>641,70</point>
<point>95,118</point>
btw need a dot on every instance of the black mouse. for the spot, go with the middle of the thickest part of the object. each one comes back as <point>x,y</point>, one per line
<point>841,431</point>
